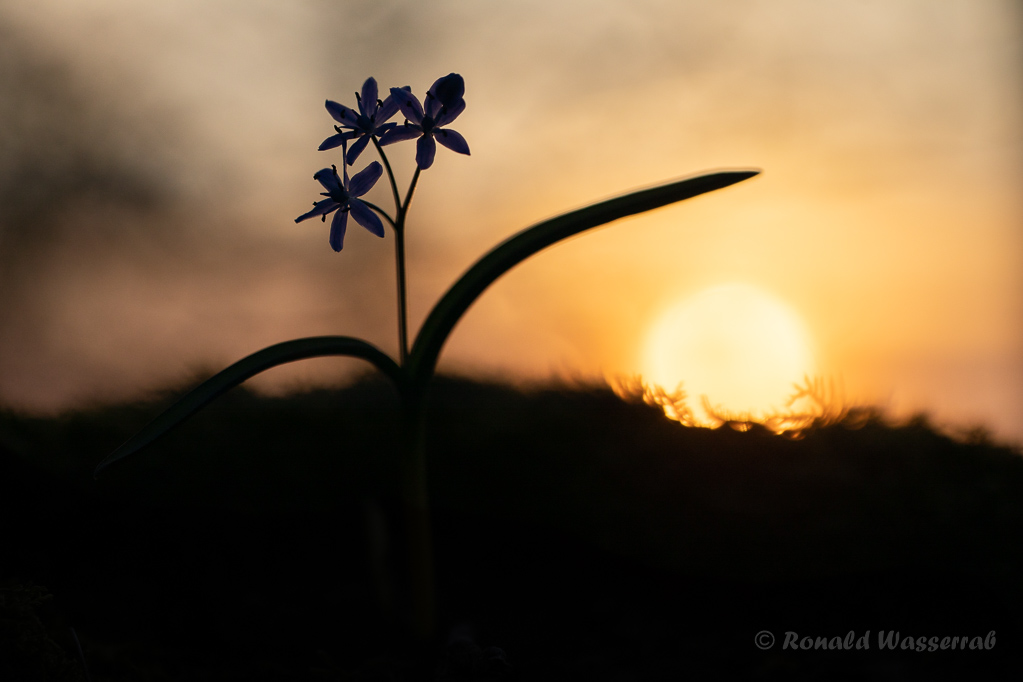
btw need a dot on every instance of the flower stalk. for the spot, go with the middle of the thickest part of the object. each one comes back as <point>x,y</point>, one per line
<point>399,257</point>
<point>399,260</point>
<point>414,490</point>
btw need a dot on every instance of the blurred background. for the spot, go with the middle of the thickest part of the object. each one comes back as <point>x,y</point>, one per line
<point>154,155</point>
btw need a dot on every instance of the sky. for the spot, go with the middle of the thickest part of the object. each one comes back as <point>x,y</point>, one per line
<point>154,155</point>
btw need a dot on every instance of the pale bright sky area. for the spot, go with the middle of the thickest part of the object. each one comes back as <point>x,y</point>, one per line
<point>154,155</point>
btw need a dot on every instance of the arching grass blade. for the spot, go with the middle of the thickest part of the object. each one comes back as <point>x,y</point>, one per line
<point>279,354</point>
<point>511,252</point>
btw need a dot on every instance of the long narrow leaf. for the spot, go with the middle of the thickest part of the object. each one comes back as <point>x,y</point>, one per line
<point>511,252</point>
<point>279,354</point>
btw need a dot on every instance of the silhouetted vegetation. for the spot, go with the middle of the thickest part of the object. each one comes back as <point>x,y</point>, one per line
<point>586,537</point>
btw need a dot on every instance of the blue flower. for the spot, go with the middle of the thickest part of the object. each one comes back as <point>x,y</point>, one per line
<point>443,105</point>
<point>369,121</point>
<point>341,197</point>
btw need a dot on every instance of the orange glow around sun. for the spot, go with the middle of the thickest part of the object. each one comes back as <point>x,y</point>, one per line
<point>735,344</point>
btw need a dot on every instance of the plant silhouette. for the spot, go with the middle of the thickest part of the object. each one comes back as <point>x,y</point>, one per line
<point>426,123</point>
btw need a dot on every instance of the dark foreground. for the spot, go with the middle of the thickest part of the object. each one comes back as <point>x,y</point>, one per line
<point>577,538</point>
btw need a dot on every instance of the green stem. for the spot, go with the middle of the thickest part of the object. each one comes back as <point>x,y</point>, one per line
<point>408,196</point>
<point>399,249</point>
<point>399,257</point>
<point>414,488</point>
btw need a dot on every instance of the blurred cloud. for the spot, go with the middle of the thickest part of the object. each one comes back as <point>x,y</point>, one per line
<point>153,157</point>
<point>62,149</point>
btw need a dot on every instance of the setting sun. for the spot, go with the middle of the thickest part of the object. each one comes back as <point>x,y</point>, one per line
<point>735,344</point>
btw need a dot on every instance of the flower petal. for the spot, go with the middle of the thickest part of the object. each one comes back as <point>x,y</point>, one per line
<point>356,149</point>
<point>365,216</point>
<point>337,230</point>
<point>319,208</point>
<point>335,140</point>
<point>381,129</point>
<point>408,104</point>
<point>400,134</point>
<point>328,178</point>
<point>452,140</point>
<point>450,113</point>
<point>426,149</point>
<point>342,114</point>
<point>365,179</point>
<point>388,109</point>
<point>432,105</point>
<point>368,102</point>
<point>448,89</point>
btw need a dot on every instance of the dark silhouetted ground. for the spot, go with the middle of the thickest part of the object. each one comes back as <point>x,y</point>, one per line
<point>585,537</point>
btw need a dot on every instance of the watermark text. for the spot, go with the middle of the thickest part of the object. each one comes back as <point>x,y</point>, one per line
<point>884,640</point>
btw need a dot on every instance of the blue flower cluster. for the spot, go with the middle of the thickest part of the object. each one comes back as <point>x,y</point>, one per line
<point>426,122</point>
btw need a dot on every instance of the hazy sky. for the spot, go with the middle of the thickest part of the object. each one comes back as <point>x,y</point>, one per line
<point>153,157</point>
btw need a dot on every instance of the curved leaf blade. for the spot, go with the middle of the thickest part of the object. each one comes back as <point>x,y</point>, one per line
<point>514,250</point>
<point>247,367</point>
